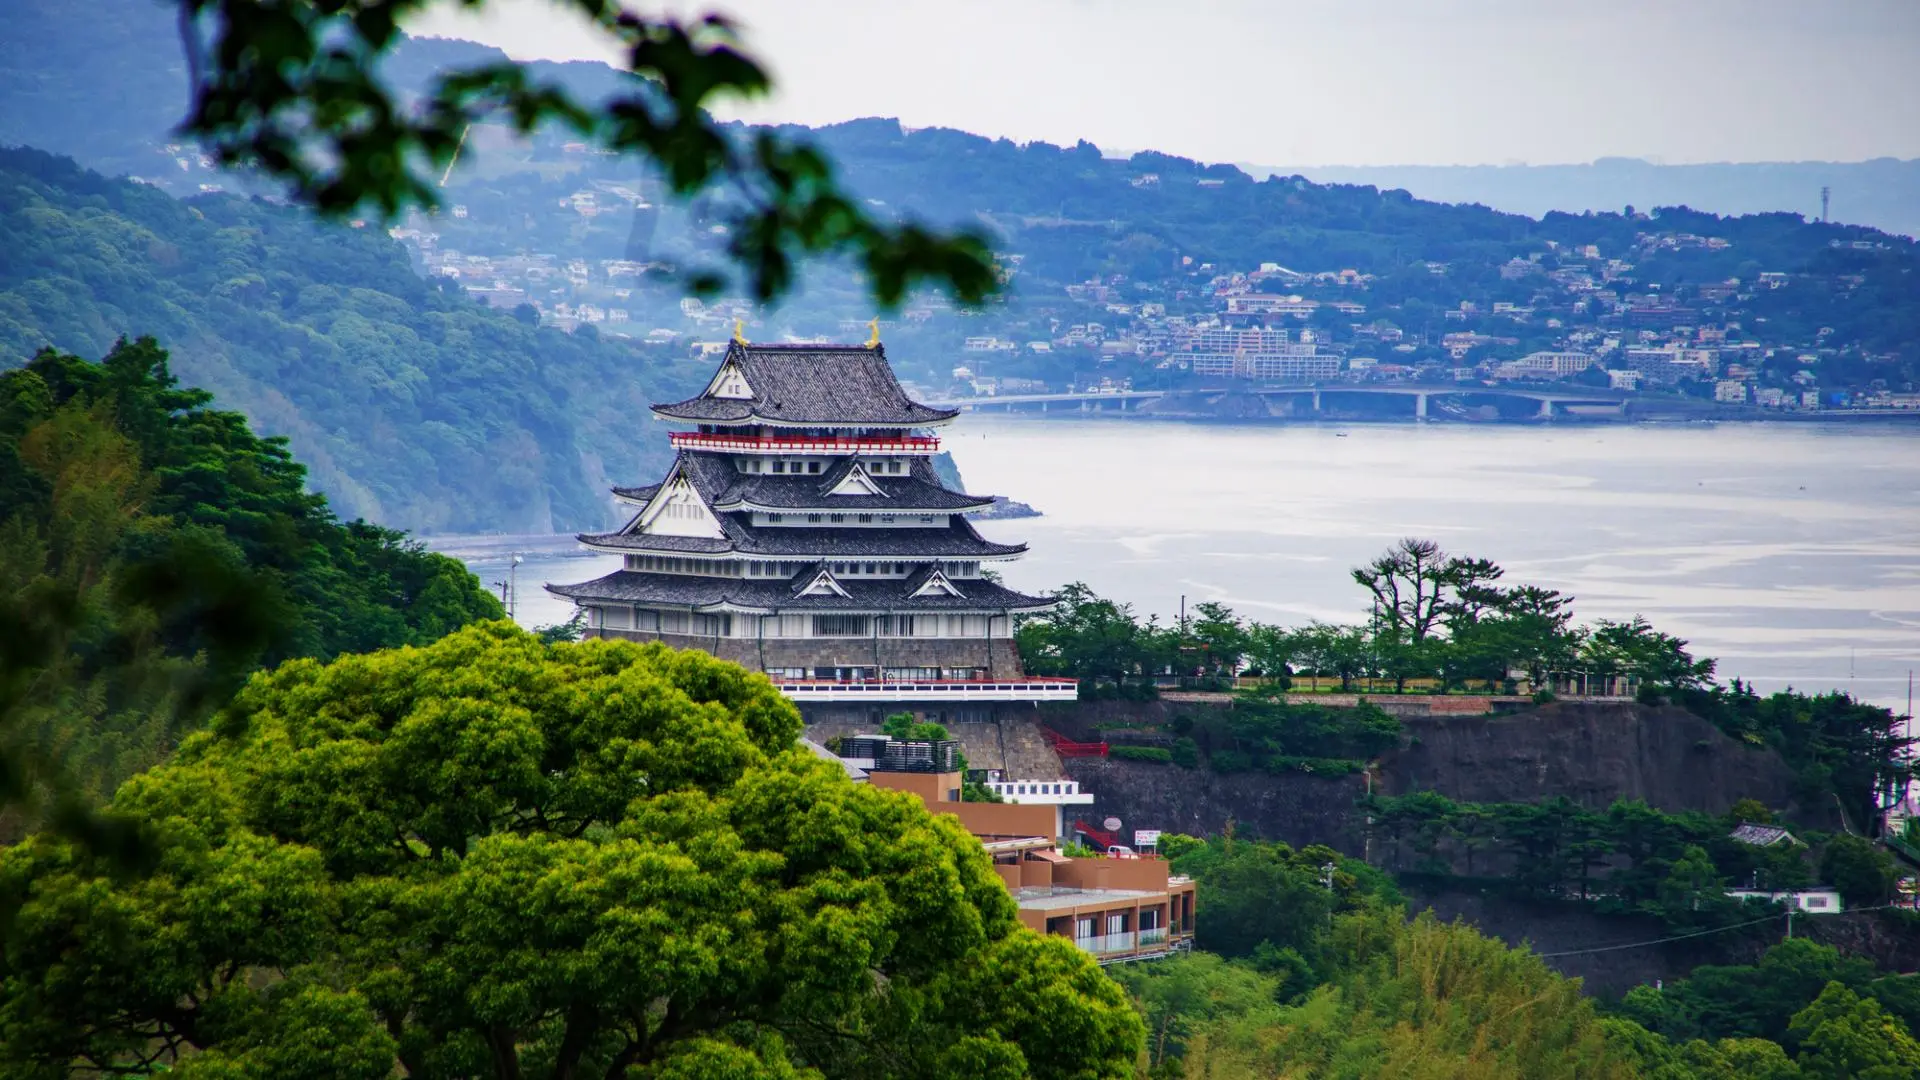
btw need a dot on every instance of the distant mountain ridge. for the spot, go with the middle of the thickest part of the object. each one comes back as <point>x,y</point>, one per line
<point>105,83</point>
<point>1883,193</point>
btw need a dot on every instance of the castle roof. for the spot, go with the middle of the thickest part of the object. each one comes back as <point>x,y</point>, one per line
<point>805,385</point>
<point>777,594</point>
<point>723,487</point>
<point>958,540</point>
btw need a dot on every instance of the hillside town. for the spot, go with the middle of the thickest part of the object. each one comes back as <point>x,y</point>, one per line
<point>1562,314</point>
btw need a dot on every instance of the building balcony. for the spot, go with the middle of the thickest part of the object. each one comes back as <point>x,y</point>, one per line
<point>805,444</point>
<point>1024,689</point>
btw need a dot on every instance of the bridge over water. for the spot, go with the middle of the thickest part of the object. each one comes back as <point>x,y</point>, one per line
<point>1584,403</point>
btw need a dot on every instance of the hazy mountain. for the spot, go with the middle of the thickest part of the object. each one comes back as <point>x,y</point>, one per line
<point>1883,193</point>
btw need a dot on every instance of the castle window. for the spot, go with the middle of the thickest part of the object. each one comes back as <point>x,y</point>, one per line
<point>813,519</point>
<point>813,466</point>
<point>840,625</point>
<point>775,519</point>
<point>836,518</point>
<point>779,466</point>
<point>864,519</point>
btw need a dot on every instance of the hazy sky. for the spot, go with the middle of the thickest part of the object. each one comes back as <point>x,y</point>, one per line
<point>1331,82</point>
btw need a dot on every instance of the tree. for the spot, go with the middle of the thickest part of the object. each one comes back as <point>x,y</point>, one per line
<point>1326,649</point>
<point>1409,585</point>
<point>154,551</point>
<point>1845,1037</point>
<point>1092,639</point>
<point>1692,882</point>
<point>1180,997</point>
<point>1219,635</point>
<point>497,856</point>
<point>1864,874</point>
<point>293,90</point>
<point>1635,647</point>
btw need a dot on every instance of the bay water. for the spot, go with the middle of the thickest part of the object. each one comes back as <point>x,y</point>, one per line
<point>1790,552</point>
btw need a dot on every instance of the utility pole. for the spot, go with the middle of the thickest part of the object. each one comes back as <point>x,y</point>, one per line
<point>1825,192</point>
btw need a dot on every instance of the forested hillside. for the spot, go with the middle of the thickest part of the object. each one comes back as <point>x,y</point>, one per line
<point>411,404</point>
<point>154,551</point>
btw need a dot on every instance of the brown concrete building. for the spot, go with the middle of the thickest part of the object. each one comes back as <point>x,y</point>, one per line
<point>1115,908</point>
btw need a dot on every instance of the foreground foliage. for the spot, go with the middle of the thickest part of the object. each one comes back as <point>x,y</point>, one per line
<point>153,551</point>
<point>1413,999</point>
<point>495,856</point>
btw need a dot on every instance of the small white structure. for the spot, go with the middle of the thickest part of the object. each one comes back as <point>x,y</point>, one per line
<point>1058,794</point>
<point>1817,901</point>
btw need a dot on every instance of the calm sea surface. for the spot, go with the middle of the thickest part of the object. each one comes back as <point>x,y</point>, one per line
<point>1790,552</point>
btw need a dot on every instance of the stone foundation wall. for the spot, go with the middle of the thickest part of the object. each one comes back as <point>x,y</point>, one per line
<point>997,655</point>
<point>1002,735</point>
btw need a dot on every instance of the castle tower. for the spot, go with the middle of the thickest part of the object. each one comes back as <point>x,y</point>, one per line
<point>801,531</point>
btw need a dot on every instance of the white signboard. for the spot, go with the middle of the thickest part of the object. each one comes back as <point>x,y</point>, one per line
<point>1146,837</point>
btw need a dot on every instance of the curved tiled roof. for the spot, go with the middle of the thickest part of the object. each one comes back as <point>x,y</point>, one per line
<point>863,594</point>
<point>958,540</point>
<point>828,385</point>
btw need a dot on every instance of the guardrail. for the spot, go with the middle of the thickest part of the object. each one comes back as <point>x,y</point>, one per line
<point>1067,748</point>
<point>935,690</point>
<point>798,444</point>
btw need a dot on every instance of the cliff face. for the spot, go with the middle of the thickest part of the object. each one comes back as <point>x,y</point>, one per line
<point>1592,754</point>
<point>1297,808</point>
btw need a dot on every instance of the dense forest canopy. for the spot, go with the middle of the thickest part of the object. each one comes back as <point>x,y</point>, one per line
<point>410,404</point>
<point>493,856</point>
<point>154,550</point>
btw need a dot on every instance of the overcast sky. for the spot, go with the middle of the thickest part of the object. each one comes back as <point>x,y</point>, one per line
<point>1333,82</point>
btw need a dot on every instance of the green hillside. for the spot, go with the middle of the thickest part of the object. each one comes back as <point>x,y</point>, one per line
<point>411,405</point>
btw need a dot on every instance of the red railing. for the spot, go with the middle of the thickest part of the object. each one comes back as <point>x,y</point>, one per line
<point>1102,839</point>
<point>804,444</point>
<point>1067,748</point>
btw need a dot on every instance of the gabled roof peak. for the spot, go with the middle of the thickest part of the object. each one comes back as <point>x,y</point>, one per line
<point>805,384</point>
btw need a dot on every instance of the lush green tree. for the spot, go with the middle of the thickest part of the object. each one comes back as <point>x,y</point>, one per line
<point>1845,1037</point>
<point>1864,874</point>
<point>1263,897</point>
<point>1183,996</point>
<point>1746,1001</point>
<point>1421,999</point>
<point>1691,881</point>
<point>1093,639</point>
<point>1661,660</point>
<point>1344,652</point>
<point>153,551</point>
<point>497,856</point>
<point>1218,637</point>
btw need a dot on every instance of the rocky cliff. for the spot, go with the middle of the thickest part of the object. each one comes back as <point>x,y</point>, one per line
<point>1592,754</point>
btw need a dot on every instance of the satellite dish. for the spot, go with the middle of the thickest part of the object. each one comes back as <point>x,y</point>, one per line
<point>1111,824</point>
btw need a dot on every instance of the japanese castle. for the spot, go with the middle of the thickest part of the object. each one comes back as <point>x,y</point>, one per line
<point>801,531</point>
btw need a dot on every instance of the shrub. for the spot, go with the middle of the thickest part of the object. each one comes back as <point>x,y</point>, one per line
<point>1142,753</point>
<point>1186,753</point>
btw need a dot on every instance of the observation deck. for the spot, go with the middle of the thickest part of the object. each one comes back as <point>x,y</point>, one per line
<point>876,445</point>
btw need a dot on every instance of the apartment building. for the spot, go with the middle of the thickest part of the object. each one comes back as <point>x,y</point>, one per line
<point>1118,909</point>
